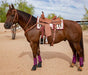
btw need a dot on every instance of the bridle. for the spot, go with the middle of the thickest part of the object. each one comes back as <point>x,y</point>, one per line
<point>16,15</point>
<point>25,28</point>
<point>27,23</point>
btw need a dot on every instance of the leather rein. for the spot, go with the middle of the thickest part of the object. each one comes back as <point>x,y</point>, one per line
<point>26,30</point>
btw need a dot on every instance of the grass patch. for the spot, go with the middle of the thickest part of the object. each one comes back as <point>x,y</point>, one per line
<point>84,27</point>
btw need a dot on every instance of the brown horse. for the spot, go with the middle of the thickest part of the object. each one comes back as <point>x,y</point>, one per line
<point>71,32</point>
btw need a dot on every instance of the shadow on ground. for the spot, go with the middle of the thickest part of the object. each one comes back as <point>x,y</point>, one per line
<point>49,55</point>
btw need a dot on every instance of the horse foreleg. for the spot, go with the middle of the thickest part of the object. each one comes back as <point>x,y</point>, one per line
<point>79,51</point>
<point>34,50</point>
<point>74,54</point>
<point>39,56</point>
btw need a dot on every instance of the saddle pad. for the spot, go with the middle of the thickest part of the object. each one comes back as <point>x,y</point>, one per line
<point>58,26</point>
<point>38,25</point>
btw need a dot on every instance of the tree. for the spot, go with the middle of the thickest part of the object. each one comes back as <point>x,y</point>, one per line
<point>60,17</point>
<point>3,10</point>
<point>20,4</point>
<point>86,14</point>
<point>50,16</point>
<point>23,6</point>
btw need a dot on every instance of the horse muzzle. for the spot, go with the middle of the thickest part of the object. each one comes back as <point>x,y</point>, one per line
<point>7,25</point>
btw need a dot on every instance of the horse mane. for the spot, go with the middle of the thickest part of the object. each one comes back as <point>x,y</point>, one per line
<point>25,17</point>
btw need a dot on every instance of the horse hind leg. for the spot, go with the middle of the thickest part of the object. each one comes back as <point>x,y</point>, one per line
<point>80,54</point>
<point>74,54</point>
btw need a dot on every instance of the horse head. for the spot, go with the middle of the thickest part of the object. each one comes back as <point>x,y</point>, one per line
<point>11,16</point>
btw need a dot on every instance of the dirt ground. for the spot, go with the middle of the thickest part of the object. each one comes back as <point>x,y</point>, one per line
<point>16,56</point>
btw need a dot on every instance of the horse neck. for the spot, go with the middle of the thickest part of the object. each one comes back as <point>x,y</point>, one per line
<point>23,19</point>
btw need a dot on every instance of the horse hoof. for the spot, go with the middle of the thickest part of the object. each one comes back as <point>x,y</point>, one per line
<point>82,65</point>
<point>72,65</point>
<point>40,64</point>
<point>80,69</point>
<point>34,67</point>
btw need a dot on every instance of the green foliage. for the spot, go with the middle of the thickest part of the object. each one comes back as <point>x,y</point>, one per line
<point>50,16</point>
<point>85,18</point>
<point>60,17</point>
<point>86,14</point>
<point>84,27</point>
<point>3,10</point>
<point>20,4</point>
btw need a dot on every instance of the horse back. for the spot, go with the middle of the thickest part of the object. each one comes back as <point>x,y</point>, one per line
<point>72,30</point>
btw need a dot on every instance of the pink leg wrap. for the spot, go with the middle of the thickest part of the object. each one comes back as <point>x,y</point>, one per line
<point>35,61</point>
<point>74,59</point>
<point>39,58</point>
<point>81,61</point>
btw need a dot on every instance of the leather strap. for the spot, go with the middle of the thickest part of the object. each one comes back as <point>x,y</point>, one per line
<point>27,23</point>
<point>30,28</point>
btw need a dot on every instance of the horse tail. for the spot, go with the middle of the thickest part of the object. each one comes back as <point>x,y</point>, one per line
<point>81,44</point>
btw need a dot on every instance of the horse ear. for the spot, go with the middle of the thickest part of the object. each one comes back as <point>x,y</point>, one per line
<point>9,7</point>
<point>12,6</point>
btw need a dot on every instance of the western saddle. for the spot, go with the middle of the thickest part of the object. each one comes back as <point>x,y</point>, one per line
<point>45,22</point>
